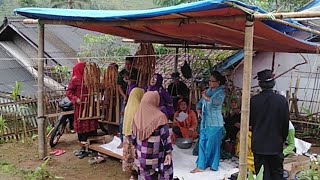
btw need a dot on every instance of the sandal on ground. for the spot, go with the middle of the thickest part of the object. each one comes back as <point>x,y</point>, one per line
<point>60,152</point>
<point>96,160</point>
<point>92,153</point>
<point>78,152</point>
<point>82,155</point>
<point>54,151</point>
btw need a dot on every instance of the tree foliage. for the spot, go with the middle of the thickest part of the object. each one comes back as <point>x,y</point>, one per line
<point>172,2</point>
<point>70,4</point>
<point>27,3</point>
<point>268,5</point>
<point>105,47</point>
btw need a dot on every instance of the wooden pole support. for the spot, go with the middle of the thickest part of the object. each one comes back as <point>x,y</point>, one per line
<point>42,146</point>
<point>245,107</point>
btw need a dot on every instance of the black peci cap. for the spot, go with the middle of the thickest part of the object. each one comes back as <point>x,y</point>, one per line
<point>265,76</point>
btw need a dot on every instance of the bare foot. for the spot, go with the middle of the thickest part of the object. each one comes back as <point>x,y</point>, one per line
<point>120,146</point>
<point>196,170</point>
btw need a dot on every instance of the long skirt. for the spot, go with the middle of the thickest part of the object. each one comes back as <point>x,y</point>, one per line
<point>209,147</point>
<point>128,154</point>
<point>250,157</point>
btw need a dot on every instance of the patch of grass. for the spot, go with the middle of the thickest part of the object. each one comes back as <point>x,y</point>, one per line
<point>9,169</point>
<point>40,173</point>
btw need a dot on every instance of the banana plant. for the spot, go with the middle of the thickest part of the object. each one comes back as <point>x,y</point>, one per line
<point>251,177</point>
<point>16,91</point>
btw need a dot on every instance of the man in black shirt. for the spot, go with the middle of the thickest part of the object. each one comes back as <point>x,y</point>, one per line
<point>269,117</point>
<point>177,89</point>
<point>127,78</point>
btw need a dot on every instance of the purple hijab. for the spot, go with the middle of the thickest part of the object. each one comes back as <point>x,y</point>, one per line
<point>166,101</point>
<point>158,84</point>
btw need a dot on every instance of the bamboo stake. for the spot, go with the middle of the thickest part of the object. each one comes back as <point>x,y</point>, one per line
<point>245,107</point>
<point>110,106</point>
<point>117,107</point>
<point>98,103</point>
<point>310,14</point>
<point>91,101</point>
<point>313,31</point>
<point>84,107</point>
<point>42,146</point>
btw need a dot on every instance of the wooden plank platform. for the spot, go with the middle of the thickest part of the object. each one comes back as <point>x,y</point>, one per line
<point>109,122</point>
<point>96,147</point>
<point>95,142</point>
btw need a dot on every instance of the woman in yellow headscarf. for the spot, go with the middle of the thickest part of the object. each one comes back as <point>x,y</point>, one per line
<point>129,112</point>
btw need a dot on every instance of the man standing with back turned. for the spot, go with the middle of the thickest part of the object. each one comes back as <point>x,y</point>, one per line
<point>269,117</point>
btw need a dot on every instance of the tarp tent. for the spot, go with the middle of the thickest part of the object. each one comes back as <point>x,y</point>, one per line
<point>203,22</point>
<point>224,22</point>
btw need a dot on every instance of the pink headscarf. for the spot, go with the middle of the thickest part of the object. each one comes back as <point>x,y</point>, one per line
<point>149,117</point>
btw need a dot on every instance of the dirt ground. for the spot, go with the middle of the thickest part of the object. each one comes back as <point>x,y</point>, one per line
<point>17,157</point>
<point>24,157</point>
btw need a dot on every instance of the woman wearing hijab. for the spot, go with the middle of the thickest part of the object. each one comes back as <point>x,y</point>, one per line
<point>151,138</point>
<point>76,92</point>
<point>185,121</point>
<point>211,128</point>
<point>166,101</point>
<point>129,113</point>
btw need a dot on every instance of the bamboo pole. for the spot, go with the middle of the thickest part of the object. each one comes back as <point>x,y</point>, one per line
<point>42,146</point>
<point>117,106</point>
<point>310,14</point>
<point>221,47</point>
<point>176,60</point>
<point>313,31</point>
<point>277,17</point>
<point>245,107</point>
<point>148,22</point>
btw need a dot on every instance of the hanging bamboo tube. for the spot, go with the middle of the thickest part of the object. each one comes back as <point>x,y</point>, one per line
<point>111,91</point>
<point>145,63</point>
<point>98,103</point>
<point>245,107</point>
<point>111,106</point>
<point>84,108</point>
<point>90,102</point>
<point>117,107</point>
<point>92,83</point>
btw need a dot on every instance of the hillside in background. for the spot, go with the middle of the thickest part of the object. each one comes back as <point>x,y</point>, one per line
<point>7,6</point>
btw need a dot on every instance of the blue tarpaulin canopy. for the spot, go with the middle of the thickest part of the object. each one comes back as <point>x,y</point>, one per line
<point>203,22</point>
